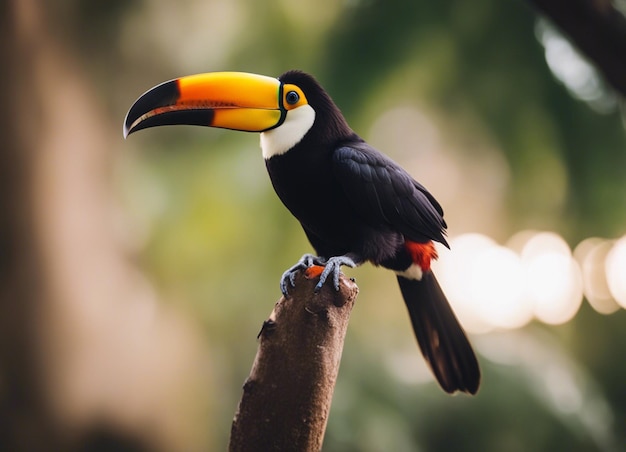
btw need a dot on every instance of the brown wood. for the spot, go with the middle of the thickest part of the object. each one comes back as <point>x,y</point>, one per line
<point>287,397</point>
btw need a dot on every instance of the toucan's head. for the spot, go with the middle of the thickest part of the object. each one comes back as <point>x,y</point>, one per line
<point>284,110</point>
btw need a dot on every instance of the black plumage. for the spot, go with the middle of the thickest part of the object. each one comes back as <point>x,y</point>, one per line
<point>354,201</point>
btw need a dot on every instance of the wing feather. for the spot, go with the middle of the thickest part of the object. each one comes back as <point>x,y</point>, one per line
<point>381,192</point>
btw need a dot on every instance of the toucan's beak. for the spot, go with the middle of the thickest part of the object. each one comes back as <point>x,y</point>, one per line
<point>230,100</point>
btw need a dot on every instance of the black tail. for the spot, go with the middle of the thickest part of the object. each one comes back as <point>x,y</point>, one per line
<point>439,335</point>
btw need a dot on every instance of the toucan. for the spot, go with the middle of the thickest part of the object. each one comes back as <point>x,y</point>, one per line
<point>354,203</point>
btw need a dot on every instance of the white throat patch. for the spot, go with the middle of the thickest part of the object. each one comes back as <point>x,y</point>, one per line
<point>279,140</point>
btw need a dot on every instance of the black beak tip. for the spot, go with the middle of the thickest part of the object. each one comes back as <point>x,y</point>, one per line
<point>126,130</point>
<point>132,121</point>
<point>161,95</point>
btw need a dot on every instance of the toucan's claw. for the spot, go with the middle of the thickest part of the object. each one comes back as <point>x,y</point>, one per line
<point>289,277</point>
<point>333,266</point>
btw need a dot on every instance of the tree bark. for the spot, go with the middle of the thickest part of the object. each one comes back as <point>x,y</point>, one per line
<point>287,397</point>
<point>599,31</point>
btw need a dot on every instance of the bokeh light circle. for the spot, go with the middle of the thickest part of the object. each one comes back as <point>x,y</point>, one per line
<point>616,271</point>
<point>591,255</point>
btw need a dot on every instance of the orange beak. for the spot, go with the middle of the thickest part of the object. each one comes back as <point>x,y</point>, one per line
<point>229,100</point>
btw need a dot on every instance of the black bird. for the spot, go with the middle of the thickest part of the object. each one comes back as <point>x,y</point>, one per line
<point>354,203</point>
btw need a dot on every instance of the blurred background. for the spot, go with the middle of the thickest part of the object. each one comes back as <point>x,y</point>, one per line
<point>135,275</point>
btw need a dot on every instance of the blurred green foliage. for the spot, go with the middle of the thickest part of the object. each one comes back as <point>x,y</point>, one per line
<point>214,238</point>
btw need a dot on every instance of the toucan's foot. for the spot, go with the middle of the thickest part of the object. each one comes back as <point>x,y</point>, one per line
<point>289,277</point>
<point>333,267</point>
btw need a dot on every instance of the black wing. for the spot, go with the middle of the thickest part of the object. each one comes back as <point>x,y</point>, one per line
<point>382,192</point>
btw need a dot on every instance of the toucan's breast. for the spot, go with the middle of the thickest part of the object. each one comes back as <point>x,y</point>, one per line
<point>305,182</point>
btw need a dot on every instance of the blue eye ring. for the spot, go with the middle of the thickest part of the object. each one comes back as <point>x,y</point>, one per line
<point>292,97</point>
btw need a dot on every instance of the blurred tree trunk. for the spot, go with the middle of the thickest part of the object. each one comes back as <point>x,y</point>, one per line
<point>287,397</point>
<point>25,423</point>
<point>88,358</point>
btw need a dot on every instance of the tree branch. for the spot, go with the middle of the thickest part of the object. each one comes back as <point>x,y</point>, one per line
<point>599,31</point>
<point>287,397</point>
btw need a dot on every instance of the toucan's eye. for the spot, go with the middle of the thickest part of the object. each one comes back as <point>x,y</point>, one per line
<point>292,97</point>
